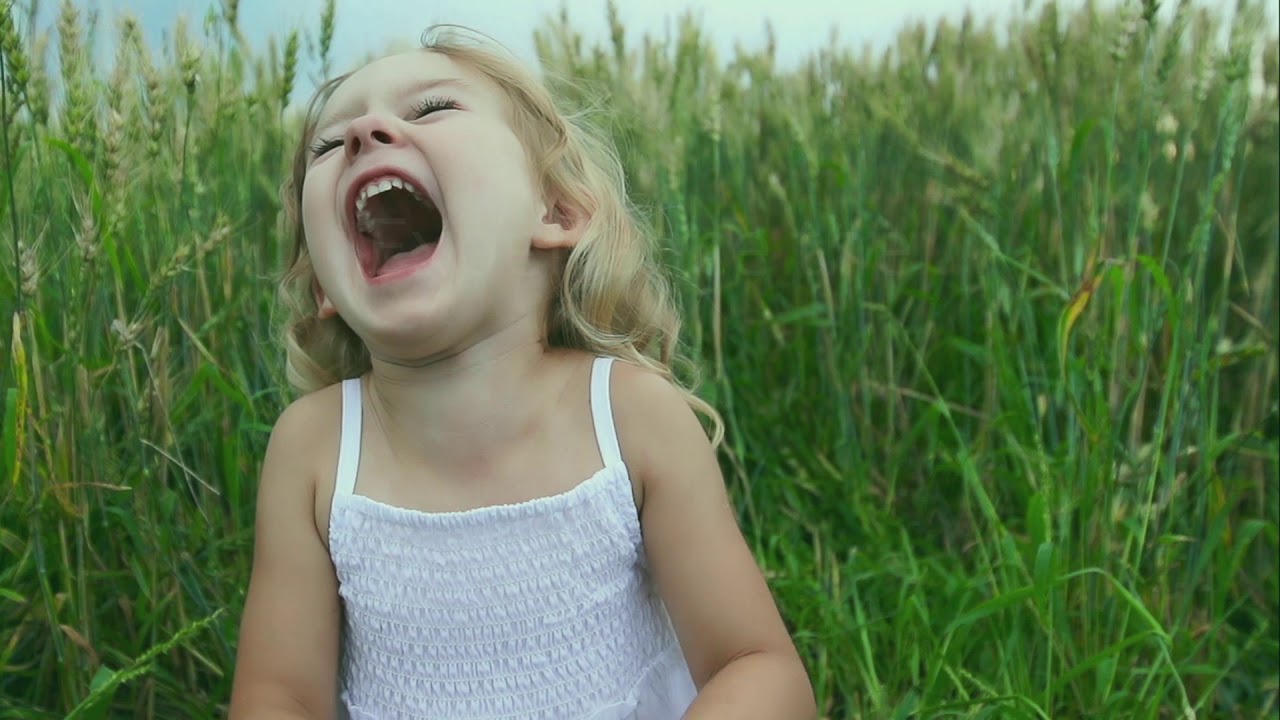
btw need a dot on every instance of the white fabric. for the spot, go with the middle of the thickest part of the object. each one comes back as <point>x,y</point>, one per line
<point>602,413</point>
<point>536,610</point>
<point>349,446</point>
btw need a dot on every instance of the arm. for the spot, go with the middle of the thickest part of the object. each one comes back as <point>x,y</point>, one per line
<point>286,666</point>
<point>738,649</point>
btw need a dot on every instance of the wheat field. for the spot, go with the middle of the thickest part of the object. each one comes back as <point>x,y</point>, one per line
<point>991,317</point>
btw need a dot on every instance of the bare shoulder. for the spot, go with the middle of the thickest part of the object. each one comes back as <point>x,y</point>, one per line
<point>312,413</point>
<point>657,429</point>
<point>645,391</point>
<point>305,440</point>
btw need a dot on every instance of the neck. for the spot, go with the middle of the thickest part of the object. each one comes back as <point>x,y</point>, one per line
<point>457,408</point>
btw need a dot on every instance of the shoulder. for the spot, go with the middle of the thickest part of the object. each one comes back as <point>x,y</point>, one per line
<point>644,393</point>
<point>302,453</point>
<point>658,430</point>
<point>307,419</point>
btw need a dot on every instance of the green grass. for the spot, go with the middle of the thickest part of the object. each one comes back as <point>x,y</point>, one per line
<point>992,323</point>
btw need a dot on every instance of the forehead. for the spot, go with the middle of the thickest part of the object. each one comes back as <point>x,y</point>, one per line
<point>388,82</point>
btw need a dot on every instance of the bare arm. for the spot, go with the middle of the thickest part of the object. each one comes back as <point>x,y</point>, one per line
<point>738,649</point>
<point>286,666</point>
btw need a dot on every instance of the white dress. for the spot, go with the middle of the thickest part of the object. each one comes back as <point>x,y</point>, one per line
<point>537,610</point>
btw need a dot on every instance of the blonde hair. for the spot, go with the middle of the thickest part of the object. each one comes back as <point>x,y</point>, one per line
<point>613,297</point>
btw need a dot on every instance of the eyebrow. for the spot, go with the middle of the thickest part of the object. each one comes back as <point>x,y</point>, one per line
<point>347,113</point>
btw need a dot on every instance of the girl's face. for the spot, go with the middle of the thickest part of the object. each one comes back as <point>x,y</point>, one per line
<point>421,213</point>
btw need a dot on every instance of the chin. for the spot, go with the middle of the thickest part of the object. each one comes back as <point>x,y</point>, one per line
<point>412,332</point>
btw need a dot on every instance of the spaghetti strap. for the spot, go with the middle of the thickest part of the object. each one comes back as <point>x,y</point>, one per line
<point>349,446</point>
<point>602,412</point>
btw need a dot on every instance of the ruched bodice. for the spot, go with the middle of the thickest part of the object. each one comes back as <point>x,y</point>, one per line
<point>537,610</point>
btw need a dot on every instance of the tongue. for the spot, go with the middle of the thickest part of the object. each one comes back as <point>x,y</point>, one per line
<point>403,260</point>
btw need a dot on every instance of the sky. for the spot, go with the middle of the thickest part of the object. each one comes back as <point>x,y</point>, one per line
<point>369,26</point>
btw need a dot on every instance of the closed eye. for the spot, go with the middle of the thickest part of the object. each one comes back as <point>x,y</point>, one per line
<point>322,146</point>
<point>433,104</point>
<point>421,110</point>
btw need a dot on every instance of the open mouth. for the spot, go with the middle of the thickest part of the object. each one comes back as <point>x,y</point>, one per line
<point>397,225</point>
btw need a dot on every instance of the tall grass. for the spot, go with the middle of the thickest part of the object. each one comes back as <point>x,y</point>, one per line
<point>992,318</point>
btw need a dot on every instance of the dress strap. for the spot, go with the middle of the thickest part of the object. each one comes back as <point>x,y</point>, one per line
<point>349,446</point>
<point>602,412</point>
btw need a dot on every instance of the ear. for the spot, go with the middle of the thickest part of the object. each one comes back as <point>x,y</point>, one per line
<point>324,308</point>
<point>561,227</point>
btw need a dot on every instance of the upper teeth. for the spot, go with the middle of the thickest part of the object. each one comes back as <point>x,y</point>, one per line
<point>378,186</point>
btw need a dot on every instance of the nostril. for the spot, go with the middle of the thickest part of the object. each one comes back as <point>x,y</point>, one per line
<point>362,135</point>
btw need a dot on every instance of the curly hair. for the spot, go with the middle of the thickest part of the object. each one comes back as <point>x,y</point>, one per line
<point>612,298</point>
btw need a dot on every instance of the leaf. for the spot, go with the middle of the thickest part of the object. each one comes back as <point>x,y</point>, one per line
<point>84,168</point>
<point>972,350</point>
<point>1044,569</point>
<point>1158,274</point>
<point>991,607</point>
<point>15,410</point>
<point>1083,131</point>
<point>1105,673</point>
<point>1013,597</point>
<point>1038,519</point>
<point>1075,308</point>
<point>907,708</point>
<point>102,690</point>
<point>1134,603</point>
<point>101,679</point>
<point>9,436</point>
<point>1244,539</point>
<point>814,314</point>
<point>1104,660</point>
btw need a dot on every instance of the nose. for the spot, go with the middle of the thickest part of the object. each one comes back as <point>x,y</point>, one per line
<point>368,132</point>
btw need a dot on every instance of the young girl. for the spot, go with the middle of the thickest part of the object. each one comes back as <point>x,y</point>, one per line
<point>493,501</point>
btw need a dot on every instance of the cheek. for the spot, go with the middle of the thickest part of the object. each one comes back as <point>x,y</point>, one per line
<point>490,156</point>
<point>311,206</point>
<point>316,218</point>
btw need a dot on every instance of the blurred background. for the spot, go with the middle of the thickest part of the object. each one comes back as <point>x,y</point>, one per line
<point>986,292</point>
<point>795,28</point>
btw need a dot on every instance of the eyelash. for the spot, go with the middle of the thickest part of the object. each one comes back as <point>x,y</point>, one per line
<point>432,104</point>
<point>421,110</point>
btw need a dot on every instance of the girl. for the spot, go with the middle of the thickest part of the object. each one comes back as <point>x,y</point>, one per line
<point>493,501</point>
